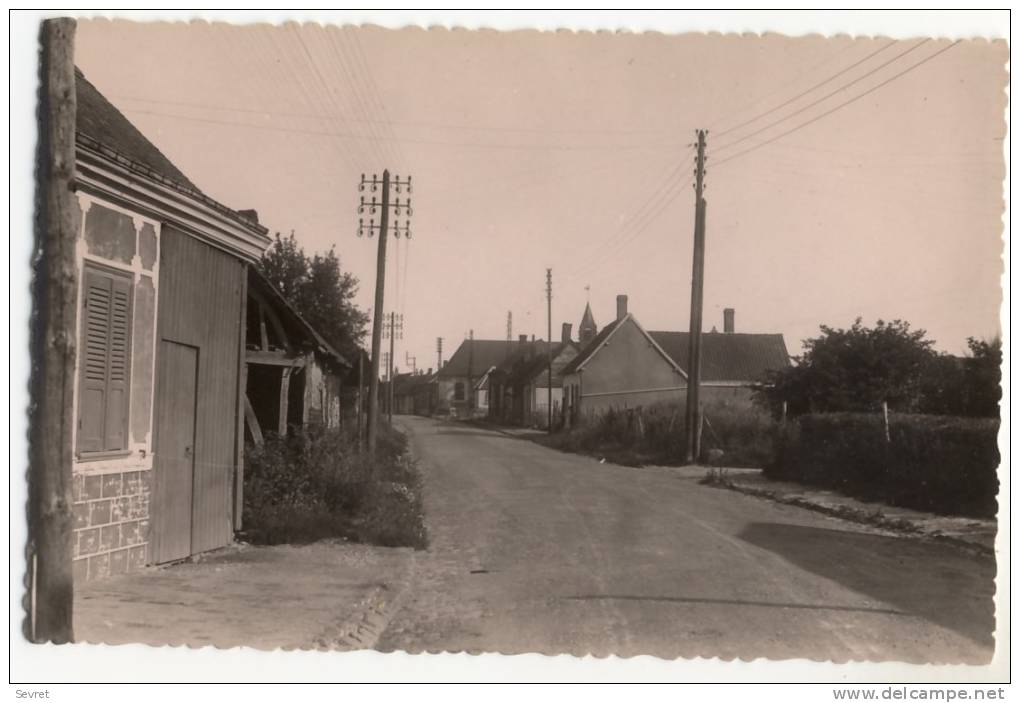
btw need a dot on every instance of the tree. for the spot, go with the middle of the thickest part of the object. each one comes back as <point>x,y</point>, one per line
<point>982,371</point>
<point>319,290</point>
<point>854,369</point>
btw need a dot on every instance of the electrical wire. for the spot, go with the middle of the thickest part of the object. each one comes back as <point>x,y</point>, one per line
<point>852,100</point>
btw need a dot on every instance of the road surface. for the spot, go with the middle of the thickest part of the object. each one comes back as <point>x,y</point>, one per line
<point>534,550</point>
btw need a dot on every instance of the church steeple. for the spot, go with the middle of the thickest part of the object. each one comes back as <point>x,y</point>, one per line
<point>587,330</point>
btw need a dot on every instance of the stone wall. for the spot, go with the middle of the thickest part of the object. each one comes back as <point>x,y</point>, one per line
<point>111,523</point>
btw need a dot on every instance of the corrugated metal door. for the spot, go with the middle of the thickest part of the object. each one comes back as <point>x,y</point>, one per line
<point>176,395</point>
<point>200,303</point>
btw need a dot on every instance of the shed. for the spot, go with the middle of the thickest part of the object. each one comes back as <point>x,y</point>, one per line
<point>158,453</point>
<point>293,375</point>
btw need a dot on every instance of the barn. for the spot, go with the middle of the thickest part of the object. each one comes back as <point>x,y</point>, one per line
<point>159,391</point>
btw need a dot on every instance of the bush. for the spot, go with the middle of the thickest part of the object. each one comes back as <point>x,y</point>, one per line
<point>316,483</point>
<point>940,464</point>
<point>655,434</point>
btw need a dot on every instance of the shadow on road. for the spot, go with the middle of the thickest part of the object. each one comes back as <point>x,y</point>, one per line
<point>752,603</point>
<point>940,584</point>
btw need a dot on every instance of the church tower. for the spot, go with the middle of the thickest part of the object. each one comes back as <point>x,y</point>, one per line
<point>587,330</point>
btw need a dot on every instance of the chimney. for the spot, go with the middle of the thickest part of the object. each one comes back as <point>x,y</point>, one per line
<point>429,371</point>
<point>522,338</point>
<point>728,321</point>
<point>445,362</point>
<point>565,336</point>
<point>621,307</point>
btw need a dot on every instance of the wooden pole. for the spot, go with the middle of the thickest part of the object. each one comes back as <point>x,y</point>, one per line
<point>389,371</point>
<point>50,597</point>
<point>377,314</point>
<point>697,304</point>
<point>549,360</point>
<point>361,386</point>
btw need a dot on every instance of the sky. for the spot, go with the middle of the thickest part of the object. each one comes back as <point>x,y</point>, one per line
<point>836,187</point>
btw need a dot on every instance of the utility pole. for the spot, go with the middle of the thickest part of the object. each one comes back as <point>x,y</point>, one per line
<point>471,380</point>
<point>509,331</point>
<point>692,419</point>
<point>439,353</point>
<point>411,361</point>
<point>548,347</point>
<point>49,600</point>
<point>396,328</point>
<point>383,231</point>
<point>361,386</point>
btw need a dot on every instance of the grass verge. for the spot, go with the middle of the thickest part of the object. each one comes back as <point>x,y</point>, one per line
<point>315,484</point>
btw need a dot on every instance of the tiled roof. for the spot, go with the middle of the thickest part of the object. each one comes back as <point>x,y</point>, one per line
<point>99,119</point>
<point>537,365</point>
<point>479,354</point>
<point>590,348</point>
<point>728,357</point>
<point>404,383</point>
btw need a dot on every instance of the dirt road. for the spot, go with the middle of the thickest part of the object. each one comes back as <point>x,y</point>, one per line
<point>537,550</point>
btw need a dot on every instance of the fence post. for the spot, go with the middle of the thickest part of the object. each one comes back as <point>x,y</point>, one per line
<point>885,417</point>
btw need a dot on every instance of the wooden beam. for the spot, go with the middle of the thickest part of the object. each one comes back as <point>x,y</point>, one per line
<point>284,399</point>
<point>274,358</point>
<point>274,319</point>
<point>50,580</point>
<point>242,390</point>
<point>253,422</point>
<point>263,334</point>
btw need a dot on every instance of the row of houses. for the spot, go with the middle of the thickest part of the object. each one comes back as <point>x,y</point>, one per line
<point>185,349</point>
<point>623,365</point>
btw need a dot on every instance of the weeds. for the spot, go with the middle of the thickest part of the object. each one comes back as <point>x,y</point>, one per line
<point>315,484</point>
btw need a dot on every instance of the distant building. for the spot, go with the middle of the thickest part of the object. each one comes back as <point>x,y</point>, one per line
<point>587,329</point>
<point>457,383</point>
<point>520,384</point>
<point>626,366</point>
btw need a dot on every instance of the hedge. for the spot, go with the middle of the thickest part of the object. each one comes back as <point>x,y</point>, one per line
<point>935,463</point>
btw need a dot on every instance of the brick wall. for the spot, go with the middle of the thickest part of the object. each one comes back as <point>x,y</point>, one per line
<point>111,523</point>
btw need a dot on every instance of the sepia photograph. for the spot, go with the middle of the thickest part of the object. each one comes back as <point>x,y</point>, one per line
<point>419,339</point>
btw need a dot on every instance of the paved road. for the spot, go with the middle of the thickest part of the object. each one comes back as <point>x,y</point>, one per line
<point>537,550</point>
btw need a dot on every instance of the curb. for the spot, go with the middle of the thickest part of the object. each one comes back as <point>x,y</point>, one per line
<point>857,516</point>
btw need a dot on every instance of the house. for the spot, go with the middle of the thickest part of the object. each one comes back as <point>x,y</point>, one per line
<point>292,375</point>
<point>625,366</point>
<point>521,383</point>
<point>457,382</point>
<point>414,393</point>
<point>158,399</point>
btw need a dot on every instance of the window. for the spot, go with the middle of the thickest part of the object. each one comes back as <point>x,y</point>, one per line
<point>104,359</point>
<point>458,391</point>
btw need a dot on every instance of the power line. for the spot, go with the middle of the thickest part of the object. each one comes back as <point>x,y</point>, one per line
<point>393,123</point>
<point>837,107</point>
<point>647,207</point>
<point>801,95</point>
<point>823,98</point>
<point>428,142</point>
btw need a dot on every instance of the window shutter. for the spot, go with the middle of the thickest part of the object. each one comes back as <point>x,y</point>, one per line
<point>119,367</point>
<point>105,362</point>
<point>94,361</point>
